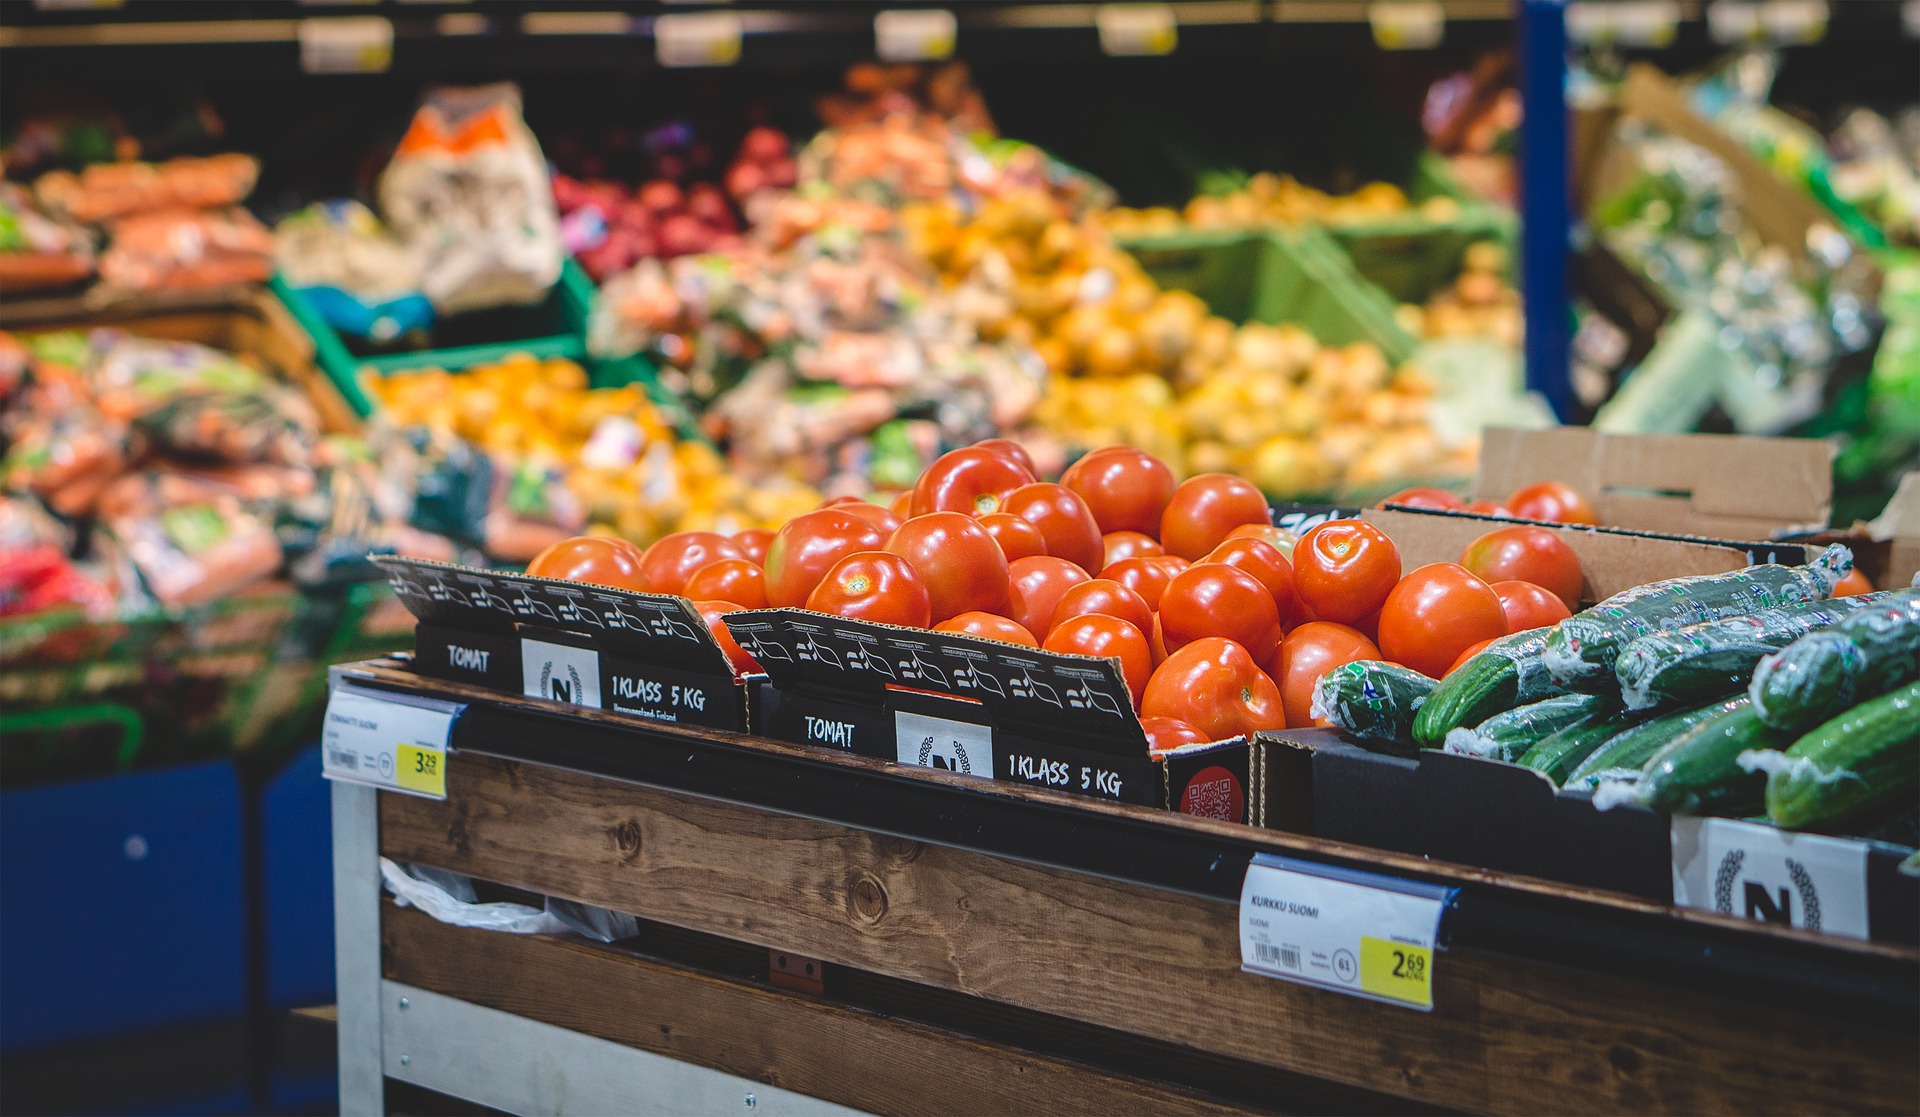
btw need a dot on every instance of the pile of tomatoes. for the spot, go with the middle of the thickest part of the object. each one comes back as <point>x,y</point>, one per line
<point>1220,622</point>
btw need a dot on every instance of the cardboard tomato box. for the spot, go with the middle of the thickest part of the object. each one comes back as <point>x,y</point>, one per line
<point>648,655</point>
<point>979,707</point>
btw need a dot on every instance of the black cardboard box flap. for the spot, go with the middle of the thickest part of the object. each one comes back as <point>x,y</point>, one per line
<point>1079,698</point>
<point>649,628</point>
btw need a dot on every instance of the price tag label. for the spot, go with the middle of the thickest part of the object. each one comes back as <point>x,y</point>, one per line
<point>1407,24</point>
<point>1136,29</point>
<point>1786,22</point>
<point>1632,23</point>
<point>346,45</point>
<point>919,35</point>
<point>1777,876</point>
<point>931,742</point>
<point>697,39</point>
<point>394,741</point>
<point>1360,933</point>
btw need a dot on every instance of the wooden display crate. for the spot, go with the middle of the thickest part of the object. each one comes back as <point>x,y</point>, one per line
<point>987,948</point>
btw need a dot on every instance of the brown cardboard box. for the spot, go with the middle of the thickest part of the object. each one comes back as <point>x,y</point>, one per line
<point>1610,560</point>
<point>1887,550</point>
<point>1717,486</point>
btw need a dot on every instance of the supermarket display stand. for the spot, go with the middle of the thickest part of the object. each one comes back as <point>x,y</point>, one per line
<point>824,931</point>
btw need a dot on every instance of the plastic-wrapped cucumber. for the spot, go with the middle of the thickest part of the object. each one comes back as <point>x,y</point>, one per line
<point>1866,759</point>
<point>1700,772</point>
<point>1371,699</point>
<point>1560,754</point>
<point>1626,752</point>
<point>1507,673</point>
<point>1580,651</point>
<point>1702,661</point>
<point>1508,736</point>
<point>1818,676</point>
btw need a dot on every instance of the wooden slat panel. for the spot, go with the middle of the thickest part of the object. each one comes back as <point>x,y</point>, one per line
<point>806,1044</point>
<point>1508,1036</point>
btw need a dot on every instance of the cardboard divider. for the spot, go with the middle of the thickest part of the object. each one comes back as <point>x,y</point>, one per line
<point>649,655</point>
<point>1611,559</point>
<point>1716,485</point>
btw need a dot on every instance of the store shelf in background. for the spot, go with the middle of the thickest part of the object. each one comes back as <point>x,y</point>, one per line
<point>268,38</point>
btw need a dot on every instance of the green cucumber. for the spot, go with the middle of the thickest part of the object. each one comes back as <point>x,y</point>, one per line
<point>1865,759</point>
<point>1506,674</point>
<point>1560,754</point>
<point>1508,736</point>
<point>1700,771</point>
<point>1371,699</point>
<point>1581,651</point>
<point>1702,661</point>
<point>1626,752</point>
<point>1821,675</point>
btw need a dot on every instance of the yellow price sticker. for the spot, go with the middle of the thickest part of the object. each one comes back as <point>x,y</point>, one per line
<point>421,770</point>
<point>1396,970</point>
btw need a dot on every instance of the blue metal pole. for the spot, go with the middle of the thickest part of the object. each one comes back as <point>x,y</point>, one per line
<point>1545,201</point>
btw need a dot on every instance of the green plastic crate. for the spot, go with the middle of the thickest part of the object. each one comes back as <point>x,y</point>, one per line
<point>1273,276</point>
<point>1410,256</point>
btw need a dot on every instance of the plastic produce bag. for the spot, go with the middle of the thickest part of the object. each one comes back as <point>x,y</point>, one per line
<point>467,191</point>
<point>450,898</point>
<point>360,278</point>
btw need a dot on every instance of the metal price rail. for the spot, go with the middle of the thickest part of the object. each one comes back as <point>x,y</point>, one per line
<point>821,932</point>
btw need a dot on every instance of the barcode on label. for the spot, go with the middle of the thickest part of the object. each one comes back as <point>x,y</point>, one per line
<point>342,758</point>
<point>1287,957</point>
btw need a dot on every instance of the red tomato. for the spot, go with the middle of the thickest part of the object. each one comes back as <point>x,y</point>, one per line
<point>873,586</point>
<point>1309,652</point>
<point>1344,569</point>
<point>1205,509</point>
<point>1107,597</point>
<point>735,579</point>
<point>1854,583</point>
<point>673,558</point>
<point>1216,687</point>
<point>1214,599</point>
<point>808,545</point>
<point>1063,520</point>
<point>1270,568</point>
<point>1039,582</point>
<point>1489,508</point>
<point>974,481</point>
<point>1552,501</point>
<point>1126,489</point>
<point>1108,637</point>
<point>1527,554</point>
<point>711,612</point>
<point>600,560</point>
<point>1117,545</point>
<point>1529,606</point>
<point>753,542</point>
<point>1279,538</point>
<point>989,626</point>
<point>1143,576</point>
<point>1018,539</point>
<point>1472,651</point>
<point>1170,733</point>
<point>1008,448</point>
<point>963,567</point>
<point>1439,500</point>
<point>1158,639</point>
<point>1434,614</point>
<point>901,505</point>
<point>879,517</point>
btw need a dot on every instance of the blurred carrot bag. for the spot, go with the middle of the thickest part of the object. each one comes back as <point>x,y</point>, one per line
<point>467,192</point>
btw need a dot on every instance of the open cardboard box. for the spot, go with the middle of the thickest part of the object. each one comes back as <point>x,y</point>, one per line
<point>1886,550</point>
<point>647,655</point>
<point>1716,486</point>
<point>981,707</point>
<point>1496,815</point>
